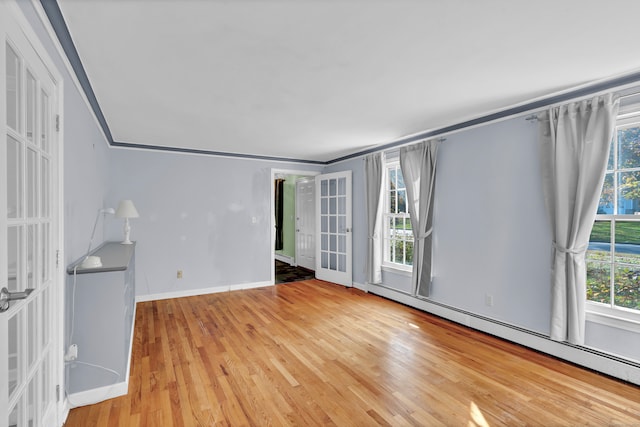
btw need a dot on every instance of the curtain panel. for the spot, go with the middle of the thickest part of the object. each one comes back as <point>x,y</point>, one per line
<point>575,142</point>
<point>374,172</point>
<point>418,164</point>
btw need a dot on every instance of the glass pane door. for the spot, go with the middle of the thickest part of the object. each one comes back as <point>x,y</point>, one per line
<point>333,204</point>
<point>27,374</point>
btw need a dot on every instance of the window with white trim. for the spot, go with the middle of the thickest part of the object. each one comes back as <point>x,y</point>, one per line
<point>613,256</point>
<point>398,235</point>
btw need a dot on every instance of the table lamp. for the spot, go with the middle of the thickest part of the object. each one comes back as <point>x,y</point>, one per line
<point>126,210</point>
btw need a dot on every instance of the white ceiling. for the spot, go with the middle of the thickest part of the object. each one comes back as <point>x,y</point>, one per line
<point>317,80</point>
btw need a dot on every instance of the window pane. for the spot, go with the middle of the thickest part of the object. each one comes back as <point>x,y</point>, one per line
<point>629,147</point>
<point>332,206</point>
<point>605,206</point>
<point>402,201</point>
<point>628,193</point>
<point>610,163</point>
<point>324,206</point>
<point>598,281</point>
<point>409,249</point>
<point>600,242</point>
<point>627,287</point>
<point>627,249</point>
<point>399,253</point>
<point>400,179</point>
<point>393,202</point>
<point>332,187</point>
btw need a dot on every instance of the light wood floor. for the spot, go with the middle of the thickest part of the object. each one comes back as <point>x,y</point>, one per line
<point>313,353</point>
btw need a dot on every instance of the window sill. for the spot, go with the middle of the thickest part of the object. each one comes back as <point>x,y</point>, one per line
<point>615,318</point>
<point>397,270</point>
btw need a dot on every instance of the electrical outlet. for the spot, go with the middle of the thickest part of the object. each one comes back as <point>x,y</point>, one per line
<point>179,275</point>
<point>488,300</point>
<point>72,353</point>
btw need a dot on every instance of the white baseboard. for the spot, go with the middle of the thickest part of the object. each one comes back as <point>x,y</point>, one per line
<point>201,291</point>
<point>95,395</point>
<point>607,364</point>
<point>286,259</point>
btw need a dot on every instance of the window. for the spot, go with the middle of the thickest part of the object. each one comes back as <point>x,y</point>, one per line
<point>398,235</point>
<point>613,256</point>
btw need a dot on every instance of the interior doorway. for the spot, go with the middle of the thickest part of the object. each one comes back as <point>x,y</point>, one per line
<point>293,226</point>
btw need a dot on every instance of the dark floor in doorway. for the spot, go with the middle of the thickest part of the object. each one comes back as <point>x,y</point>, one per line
<point>286,273</point>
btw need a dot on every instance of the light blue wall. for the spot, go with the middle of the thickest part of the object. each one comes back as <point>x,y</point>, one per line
<point>207,216</point>
<point>86,155</point>
<point>491,232</point>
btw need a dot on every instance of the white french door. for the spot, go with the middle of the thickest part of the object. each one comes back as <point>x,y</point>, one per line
<point>29,219</point>
<point>333,225</point>
<point>305,223</point>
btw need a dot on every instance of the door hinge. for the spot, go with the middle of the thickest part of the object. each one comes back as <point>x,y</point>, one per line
<point>57,122</point>
<point>58,393</point>
<point>57,258</point>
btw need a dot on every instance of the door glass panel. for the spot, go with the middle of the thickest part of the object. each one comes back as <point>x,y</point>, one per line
<point>332,243</point>
<point>31,402</point>
<point>32,340</point>
<point>46,311</point>
<point>332,205</point>
<point>324,260</point>
<point>15,281</point>
<point>324,191</point>
<point>45,253</point>
<point>13,86</point>
<point>324,245</point>
<point>342,262</point>
<point>332,262</point>
<point>31,255</point>
<point>332,187</point>
<point>14,354</point>
<point>31,107</point>
<point>14,178</point>
<point>14,413</point>
<point>342,186</point>
<point>32,191</point>
<point>44,121</point>
<point>44,193</point>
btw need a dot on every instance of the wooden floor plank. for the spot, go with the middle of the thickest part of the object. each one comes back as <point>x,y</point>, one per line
<point>314,353</point>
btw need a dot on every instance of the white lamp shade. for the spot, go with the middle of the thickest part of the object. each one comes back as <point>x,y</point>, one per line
<point>126,209</point>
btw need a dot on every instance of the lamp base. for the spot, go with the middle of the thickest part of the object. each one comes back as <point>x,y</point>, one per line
<point>126,242</point>
<point>91,262</point>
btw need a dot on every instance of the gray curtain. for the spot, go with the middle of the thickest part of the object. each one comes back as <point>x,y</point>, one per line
<point>575,141</point>
<point>374,171</point>
<point>418,164</point>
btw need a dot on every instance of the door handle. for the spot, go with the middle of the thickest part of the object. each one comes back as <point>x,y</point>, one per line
<point>6,297</point>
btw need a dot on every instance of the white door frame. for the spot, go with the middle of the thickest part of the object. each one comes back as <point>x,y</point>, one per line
<point>272,208</point>
<point>11,10</point>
